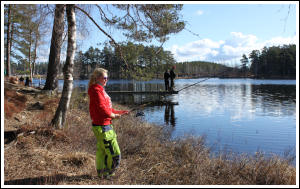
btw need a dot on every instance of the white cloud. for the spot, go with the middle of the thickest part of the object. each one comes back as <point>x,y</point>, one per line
<point>280,40</point>
<point>199,12</point>
<point>197,50</point>
<point>239,39</point>
<point>206,43</point>
<point>237,45</point>
<point>227,51</point>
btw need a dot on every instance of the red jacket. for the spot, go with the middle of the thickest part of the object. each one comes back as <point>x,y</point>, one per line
<point>100,105</point>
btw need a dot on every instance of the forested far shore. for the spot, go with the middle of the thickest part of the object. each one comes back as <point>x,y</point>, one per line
<point>276,62</point>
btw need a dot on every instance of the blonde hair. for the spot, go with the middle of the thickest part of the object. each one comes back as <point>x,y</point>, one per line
<point>98,72</point>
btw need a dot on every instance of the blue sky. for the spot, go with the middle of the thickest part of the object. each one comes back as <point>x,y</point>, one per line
<point>224,31</point>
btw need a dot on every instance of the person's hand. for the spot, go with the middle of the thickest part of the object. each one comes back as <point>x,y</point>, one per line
<point>114,116</point>
<point>124,112</point>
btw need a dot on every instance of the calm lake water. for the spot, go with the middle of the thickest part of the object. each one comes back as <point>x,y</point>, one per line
<point>240,115</point>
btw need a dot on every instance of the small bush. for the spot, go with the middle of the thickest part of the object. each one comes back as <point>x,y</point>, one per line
<point>13,102</point>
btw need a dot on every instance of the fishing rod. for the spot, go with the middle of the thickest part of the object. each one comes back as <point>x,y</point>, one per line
<point>204,79</point>
<point>194,84</point>
<point>138,111</point>
<point>138,108</point>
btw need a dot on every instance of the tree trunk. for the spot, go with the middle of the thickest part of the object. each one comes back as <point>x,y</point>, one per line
<point>34,58</point>
<point>60,115</point>
<point>8,43</point>
<point>55,48</point>
<point>29,56</point>
<point>11,43</point>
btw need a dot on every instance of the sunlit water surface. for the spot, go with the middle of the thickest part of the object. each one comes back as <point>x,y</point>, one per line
<point>240,115</point>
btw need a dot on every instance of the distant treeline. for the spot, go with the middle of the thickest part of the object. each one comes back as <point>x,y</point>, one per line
<point>274,62</point>
<point>141,62</point>
<point>149,62</point>
<point>197,69</point>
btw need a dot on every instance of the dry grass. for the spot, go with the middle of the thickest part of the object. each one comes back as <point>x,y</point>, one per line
<point>14,102</point>
<point>42,155</point>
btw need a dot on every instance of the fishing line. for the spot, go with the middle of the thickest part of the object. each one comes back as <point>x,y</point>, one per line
<point>206,79</point>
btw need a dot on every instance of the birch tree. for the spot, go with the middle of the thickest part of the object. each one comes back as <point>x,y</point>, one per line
<point>60,115</point>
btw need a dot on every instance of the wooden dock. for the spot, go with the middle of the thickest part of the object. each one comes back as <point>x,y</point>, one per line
<point>143,92</point>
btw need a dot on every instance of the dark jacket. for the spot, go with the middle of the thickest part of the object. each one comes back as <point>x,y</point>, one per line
<point>27,81</point>
<point>166,76</point>
<point>172,74</point>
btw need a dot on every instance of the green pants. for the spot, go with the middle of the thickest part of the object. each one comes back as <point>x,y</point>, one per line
<point>108,153</point>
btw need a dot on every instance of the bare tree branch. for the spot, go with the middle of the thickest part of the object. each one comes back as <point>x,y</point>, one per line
<point>104,15</point>
<point>139,18</point>
<point>192,33</point>
<point>285,20</point>
<point>150,30</point>
<point>110,37</point>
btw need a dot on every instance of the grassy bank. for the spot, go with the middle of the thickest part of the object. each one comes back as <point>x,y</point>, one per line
<point>42,155</point>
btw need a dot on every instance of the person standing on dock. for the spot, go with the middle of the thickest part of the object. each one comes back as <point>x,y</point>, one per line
<point>108,153</point>
<point>21,80</point>
<point>166,77</point>
<point>27,81</point>
<point>172,77</point>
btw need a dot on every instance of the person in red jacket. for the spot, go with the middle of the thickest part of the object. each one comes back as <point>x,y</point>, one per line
<point>108,153</point>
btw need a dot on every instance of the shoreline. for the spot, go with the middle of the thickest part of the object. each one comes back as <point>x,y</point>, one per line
<point>187,77</point>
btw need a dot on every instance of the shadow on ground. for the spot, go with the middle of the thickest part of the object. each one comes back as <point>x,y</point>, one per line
<point>55,179</point>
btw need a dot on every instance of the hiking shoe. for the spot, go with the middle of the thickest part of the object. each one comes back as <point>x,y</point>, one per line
<point>109,176</point>
<point>106,175</point>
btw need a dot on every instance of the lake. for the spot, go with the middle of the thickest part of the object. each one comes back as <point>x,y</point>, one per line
<point>241,115</point>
